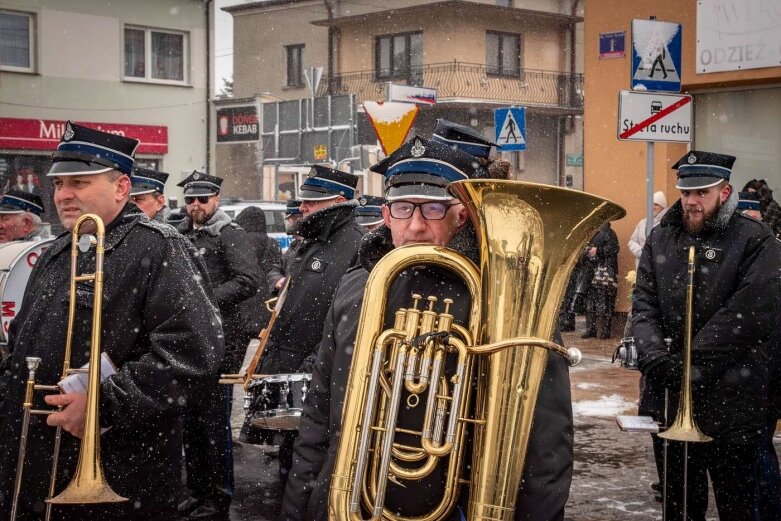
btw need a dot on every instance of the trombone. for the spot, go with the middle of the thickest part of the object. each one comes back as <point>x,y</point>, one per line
<point>683,428</point>
<point>88,484</point>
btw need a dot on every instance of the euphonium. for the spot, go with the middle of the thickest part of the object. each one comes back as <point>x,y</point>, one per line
<point>88,484</point>
<point>530,236</point>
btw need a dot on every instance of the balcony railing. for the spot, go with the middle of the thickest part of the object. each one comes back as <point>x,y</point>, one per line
<point>467,81</point>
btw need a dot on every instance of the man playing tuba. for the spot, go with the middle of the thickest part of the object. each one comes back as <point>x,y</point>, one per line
<point>419,210</point>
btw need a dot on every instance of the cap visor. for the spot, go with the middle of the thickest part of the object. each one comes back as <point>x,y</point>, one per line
<point>368,220</point>
<point>697,182</point>
<point>73,167</point>
<point>198,190</point>
<point>418,191</point>
<point>141,190</point>
<point>309,195</point>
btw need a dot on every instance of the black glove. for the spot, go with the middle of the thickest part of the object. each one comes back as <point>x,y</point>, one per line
<point>666,373</point>
<point>308,364</point>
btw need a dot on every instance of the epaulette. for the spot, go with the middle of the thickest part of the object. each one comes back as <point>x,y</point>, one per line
<point>167,230</point>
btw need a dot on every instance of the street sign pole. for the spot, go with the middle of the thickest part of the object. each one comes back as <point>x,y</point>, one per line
<point>649,188</point>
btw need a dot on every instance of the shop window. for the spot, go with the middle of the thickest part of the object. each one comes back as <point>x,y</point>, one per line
<point>17,41</point>
<point>155,55</point>
<point>399,56</point>
<point>294,55</point>
<point>503,53</point>
<point>504,3</point>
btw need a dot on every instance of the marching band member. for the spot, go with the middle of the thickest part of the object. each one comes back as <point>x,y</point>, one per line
<point>418,210</point>
<point>147,192</point>
<point>329,246</point>
<point>159,329</point>
<point>736,308</point>
<point>20,217</point>
<point>234,275</point>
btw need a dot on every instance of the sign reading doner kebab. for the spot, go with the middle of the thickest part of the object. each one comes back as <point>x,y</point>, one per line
<point>651,116</point>
<point>238,124</point>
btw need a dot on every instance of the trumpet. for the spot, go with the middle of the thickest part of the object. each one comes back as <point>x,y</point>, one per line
<point>88,484</point>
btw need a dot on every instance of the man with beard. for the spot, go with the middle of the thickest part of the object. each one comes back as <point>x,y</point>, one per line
<point>234,274</point>
<point>329,246</point>
<point>420,210</point>
<point>736,307</point>
<point>147,193</point>
<point>159,329</point>
<point>20,217</point>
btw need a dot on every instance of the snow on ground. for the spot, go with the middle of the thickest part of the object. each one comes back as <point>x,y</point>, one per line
<point>605,406</point>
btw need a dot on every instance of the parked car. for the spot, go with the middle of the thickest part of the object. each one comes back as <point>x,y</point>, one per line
<point>275,217</point>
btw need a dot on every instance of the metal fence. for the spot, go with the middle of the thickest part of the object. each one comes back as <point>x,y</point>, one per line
<point>469,81</point>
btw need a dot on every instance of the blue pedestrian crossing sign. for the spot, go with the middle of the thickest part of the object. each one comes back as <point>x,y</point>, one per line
<point>656,56</point>
<point>510,127</point>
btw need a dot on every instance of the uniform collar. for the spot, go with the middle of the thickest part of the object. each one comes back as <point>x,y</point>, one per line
<point>718,224</point>
<point>318,225</point>
<point>116,230</point>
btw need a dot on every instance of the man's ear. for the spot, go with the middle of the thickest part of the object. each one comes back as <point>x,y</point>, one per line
<point>386,215</point>
<point>726,190</point>
<point>123,188</point>
<point>463,216</point>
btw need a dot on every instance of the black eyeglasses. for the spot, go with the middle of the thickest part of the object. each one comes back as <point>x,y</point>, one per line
<point>431,211</point>
<point>203,199</point>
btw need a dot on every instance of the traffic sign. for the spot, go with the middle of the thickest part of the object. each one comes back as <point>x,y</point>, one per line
<point>392,122</point>
<point>510,127</point>
<point>656,56</point>
<point>651,116</point>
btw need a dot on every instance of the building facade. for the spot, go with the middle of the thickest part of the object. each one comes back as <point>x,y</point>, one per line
<point>134,68</point>
<point>478,55</point>
<point>731,51</point>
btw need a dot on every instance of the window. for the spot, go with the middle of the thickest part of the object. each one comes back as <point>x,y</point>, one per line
<point>399,56</point>
<point>504,3</point>
<point>295,65</point>
<point>503,53</point>
<point>16,41</point>
<point>155,55</point>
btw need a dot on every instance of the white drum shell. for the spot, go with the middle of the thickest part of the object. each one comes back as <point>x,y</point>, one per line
<point>17,259</point>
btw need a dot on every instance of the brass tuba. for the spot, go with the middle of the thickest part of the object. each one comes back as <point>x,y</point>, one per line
<point>530,236</point>
<point>88,484</point>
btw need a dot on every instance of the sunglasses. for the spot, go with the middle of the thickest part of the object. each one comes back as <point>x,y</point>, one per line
<point>203,199</point>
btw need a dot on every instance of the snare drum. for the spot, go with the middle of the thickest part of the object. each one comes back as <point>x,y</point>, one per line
<point>275,402</point>
<point>17,259</point>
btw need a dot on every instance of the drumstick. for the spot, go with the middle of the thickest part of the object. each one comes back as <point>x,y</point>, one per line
<point>264,335</point>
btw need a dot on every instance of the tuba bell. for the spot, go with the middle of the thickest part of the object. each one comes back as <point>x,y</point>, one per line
<point>530,236</point>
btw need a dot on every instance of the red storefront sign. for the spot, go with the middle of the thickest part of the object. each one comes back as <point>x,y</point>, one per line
<point>44,134</point>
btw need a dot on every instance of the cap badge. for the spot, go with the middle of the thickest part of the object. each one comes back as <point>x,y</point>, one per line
<point>196,176</point>
<point>68,134</point>
<point>692,159</point>
<point>417,149</point>
<point>362,201</point>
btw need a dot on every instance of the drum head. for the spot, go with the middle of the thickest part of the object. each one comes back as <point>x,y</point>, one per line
<point>17,260</point>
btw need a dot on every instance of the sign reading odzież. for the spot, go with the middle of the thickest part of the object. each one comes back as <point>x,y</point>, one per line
<point>238,124</point>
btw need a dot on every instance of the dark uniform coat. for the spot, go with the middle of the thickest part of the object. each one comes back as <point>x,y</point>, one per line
<point>161,331</point>
<point>548,471</point>
<point>329,247</point>
<point>254,314</point>
<point>736,310</point>
<point>232,268</point>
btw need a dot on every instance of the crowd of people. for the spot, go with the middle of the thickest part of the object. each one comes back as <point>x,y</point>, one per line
<point>182,303</point>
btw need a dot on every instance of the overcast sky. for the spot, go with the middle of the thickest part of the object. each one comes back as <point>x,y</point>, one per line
<point>223,33</point>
